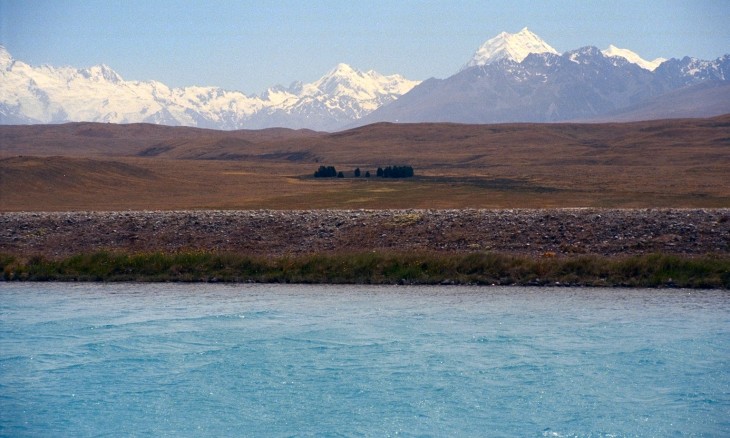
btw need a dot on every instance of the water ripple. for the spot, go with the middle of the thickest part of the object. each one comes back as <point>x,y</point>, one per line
<point>274,360</point>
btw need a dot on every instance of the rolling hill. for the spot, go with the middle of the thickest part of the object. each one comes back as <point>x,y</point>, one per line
<point>78,166</point>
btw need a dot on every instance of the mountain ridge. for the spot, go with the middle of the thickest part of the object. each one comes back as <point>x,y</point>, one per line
<point>510,78</point>
<point>632,57</point>
<point>579,85</point>
<point>47,94</point>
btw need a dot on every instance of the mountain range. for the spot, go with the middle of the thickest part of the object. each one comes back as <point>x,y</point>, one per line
<point>45,94</point>
<point>511,78</point>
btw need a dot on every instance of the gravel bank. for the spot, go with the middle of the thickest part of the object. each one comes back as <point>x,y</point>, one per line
<point>530,232</point>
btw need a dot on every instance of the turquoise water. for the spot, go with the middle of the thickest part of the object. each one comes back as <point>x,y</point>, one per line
<point>275,360</point>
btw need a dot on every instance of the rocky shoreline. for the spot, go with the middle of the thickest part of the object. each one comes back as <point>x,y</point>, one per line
<point>531,232</point>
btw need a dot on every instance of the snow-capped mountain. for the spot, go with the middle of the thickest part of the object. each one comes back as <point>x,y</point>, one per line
<point>514,47</point>
<point>517,46</point>
<point>509,80</point>
<point>48,94</point>
<point>341,96</point>
<point>613,51</point>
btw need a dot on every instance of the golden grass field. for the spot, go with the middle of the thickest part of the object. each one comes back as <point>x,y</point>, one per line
<point>87,166</point>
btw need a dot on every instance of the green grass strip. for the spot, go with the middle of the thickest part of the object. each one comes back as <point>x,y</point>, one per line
<point>654,270</point>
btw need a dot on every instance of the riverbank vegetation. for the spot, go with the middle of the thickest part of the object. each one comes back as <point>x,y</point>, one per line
<point>653,270</point>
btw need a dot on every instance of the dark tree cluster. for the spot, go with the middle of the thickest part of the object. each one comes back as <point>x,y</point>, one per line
<point>388,172</point>
<point>396,172</point>
<point>326,172</point>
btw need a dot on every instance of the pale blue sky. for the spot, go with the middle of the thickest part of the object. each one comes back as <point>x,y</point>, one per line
<point>251,45</point>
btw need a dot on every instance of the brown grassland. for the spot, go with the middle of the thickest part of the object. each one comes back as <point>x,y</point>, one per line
<point>87,166</point>
<point>638,204</point>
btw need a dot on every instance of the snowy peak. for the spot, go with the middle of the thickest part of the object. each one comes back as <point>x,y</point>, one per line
<point>613,51</point>
<point>343,95</point>
<point>342,76</point>
<point>345,80</point>
<point>343,70</point>
<point>47,94</point>
<point>101,73</point>
<point>514,47</point>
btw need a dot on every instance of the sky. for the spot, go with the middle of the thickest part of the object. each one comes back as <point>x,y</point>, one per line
<point>250,45</point>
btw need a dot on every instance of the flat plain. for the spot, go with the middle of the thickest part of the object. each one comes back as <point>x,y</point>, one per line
<point>681,163</point>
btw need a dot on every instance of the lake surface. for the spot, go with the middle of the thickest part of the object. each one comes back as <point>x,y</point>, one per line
<point>292,360</point>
